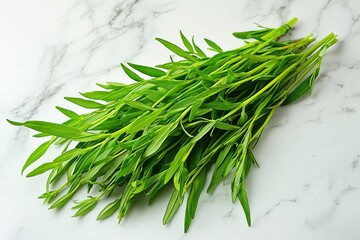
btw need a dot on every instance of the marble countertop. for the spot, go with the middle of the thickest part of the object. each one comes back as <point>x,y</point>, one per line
<point>308,183</point>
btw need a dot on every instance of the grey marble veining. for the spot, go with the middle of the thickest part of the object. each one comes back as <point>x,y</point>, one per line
<point>308,183</point>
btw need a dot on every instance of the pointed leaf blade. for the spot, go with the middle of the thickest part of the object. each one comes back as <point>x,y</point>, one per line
<point>186,42</point>
<point>42,168</point>
<point>89,104</point>
<point>55,129</point>
<point>131,74</point>
<point>242,196</point>
<point>150,71</point>
<point>159,139</point>
<point>213,45</point>
<point>109,210</point>
<point>68,113</point>
<point>39,151</point>
<point>177,50</point>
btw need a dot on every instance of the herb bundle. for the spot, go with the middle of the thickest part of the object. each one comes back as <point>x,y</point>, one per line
<point>191,116</point>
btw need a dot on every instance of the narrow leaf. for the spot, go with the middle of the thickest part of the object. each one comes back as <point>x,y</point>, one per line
<point>62,201</point>
<point>85,103</point>
<point>172,207</point>
<point>109,210</point>
<point>186,42</point>
<point>42,168</point>
<point>36,154</point>
<point>204,130</point>
<point>92,172</point>
<point>194,109</point>
<point>54,129</point>
<point>15,123</point>
<point>198,50</point>
<point>177,50</point>
<point>131,74</point>
<point>242,196</point>
<point>180,157</point>
<point>68,113</point>
<point>142,122</point>
<point>69,155</point>
<point>225,126</point>
<point>150,71</point>
<point>213,45</point>
<point>193,199</point>
<point>160,137</point>
<point>85,206</point>
<point>95,95</point>
<point>138,105</point>
<point>262,105</point>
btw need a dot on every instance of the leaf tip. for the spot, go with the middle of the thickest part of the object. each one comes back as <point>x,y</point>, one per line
<point>14,123</point>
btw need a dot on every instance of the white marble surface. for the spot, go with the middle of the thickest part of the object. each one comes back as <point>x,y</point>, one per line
<point>308,185</point>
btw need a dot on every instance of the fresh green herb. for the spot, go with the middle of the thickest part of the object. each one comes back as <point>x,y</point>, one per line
<point>191,114</point>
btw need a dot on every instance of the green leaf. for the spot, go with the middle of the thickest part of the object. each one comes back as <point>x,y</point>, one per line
<point>85,103</point>
<point>257,34</point>
<point>42,168</point>
<point>180,178</point>
<point>167,83</point>
<point>210,92</point>
<point>85,206</point>
<point>198,50</point>
<point>177,50</point>
<point>160,137</point>
<point>242,196</point>
<point>258,58</point>
<point>204,76</point>
<point>213,45</point>
<point>92,172</point>
<point>62,201</point>
<point>131,74</point>
<point>95,95</point>
<point>194,109</point>
<point>69,155</point>
<point>220,105</point>
<point>204,130</point>
<point>40,135</point>
<point>144,121</point>
<point>39,151</point>
<point>114,166</point>
<point>263,104</point>
<point>68,113</point>
<point>224,157</point>
<point>243,117</point>
<point>88,137</point>
<point>237,178</point>
<point>225,126</point>
<point>180,157</point>
<point>15,123</point>
<point>186,42</point>
<point>150,71</point>
<point>172,207</point>
<point>55,129</point>
<point>122,92</point>
<point>182,104</point>
<point>138,105</point>
<point>109,210</point>
<point>48,196</point>
<point>193,199</point>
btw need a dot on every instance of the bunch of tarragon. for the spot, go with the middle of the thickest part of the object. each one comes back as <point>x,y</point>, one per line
<point>191,118</point>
